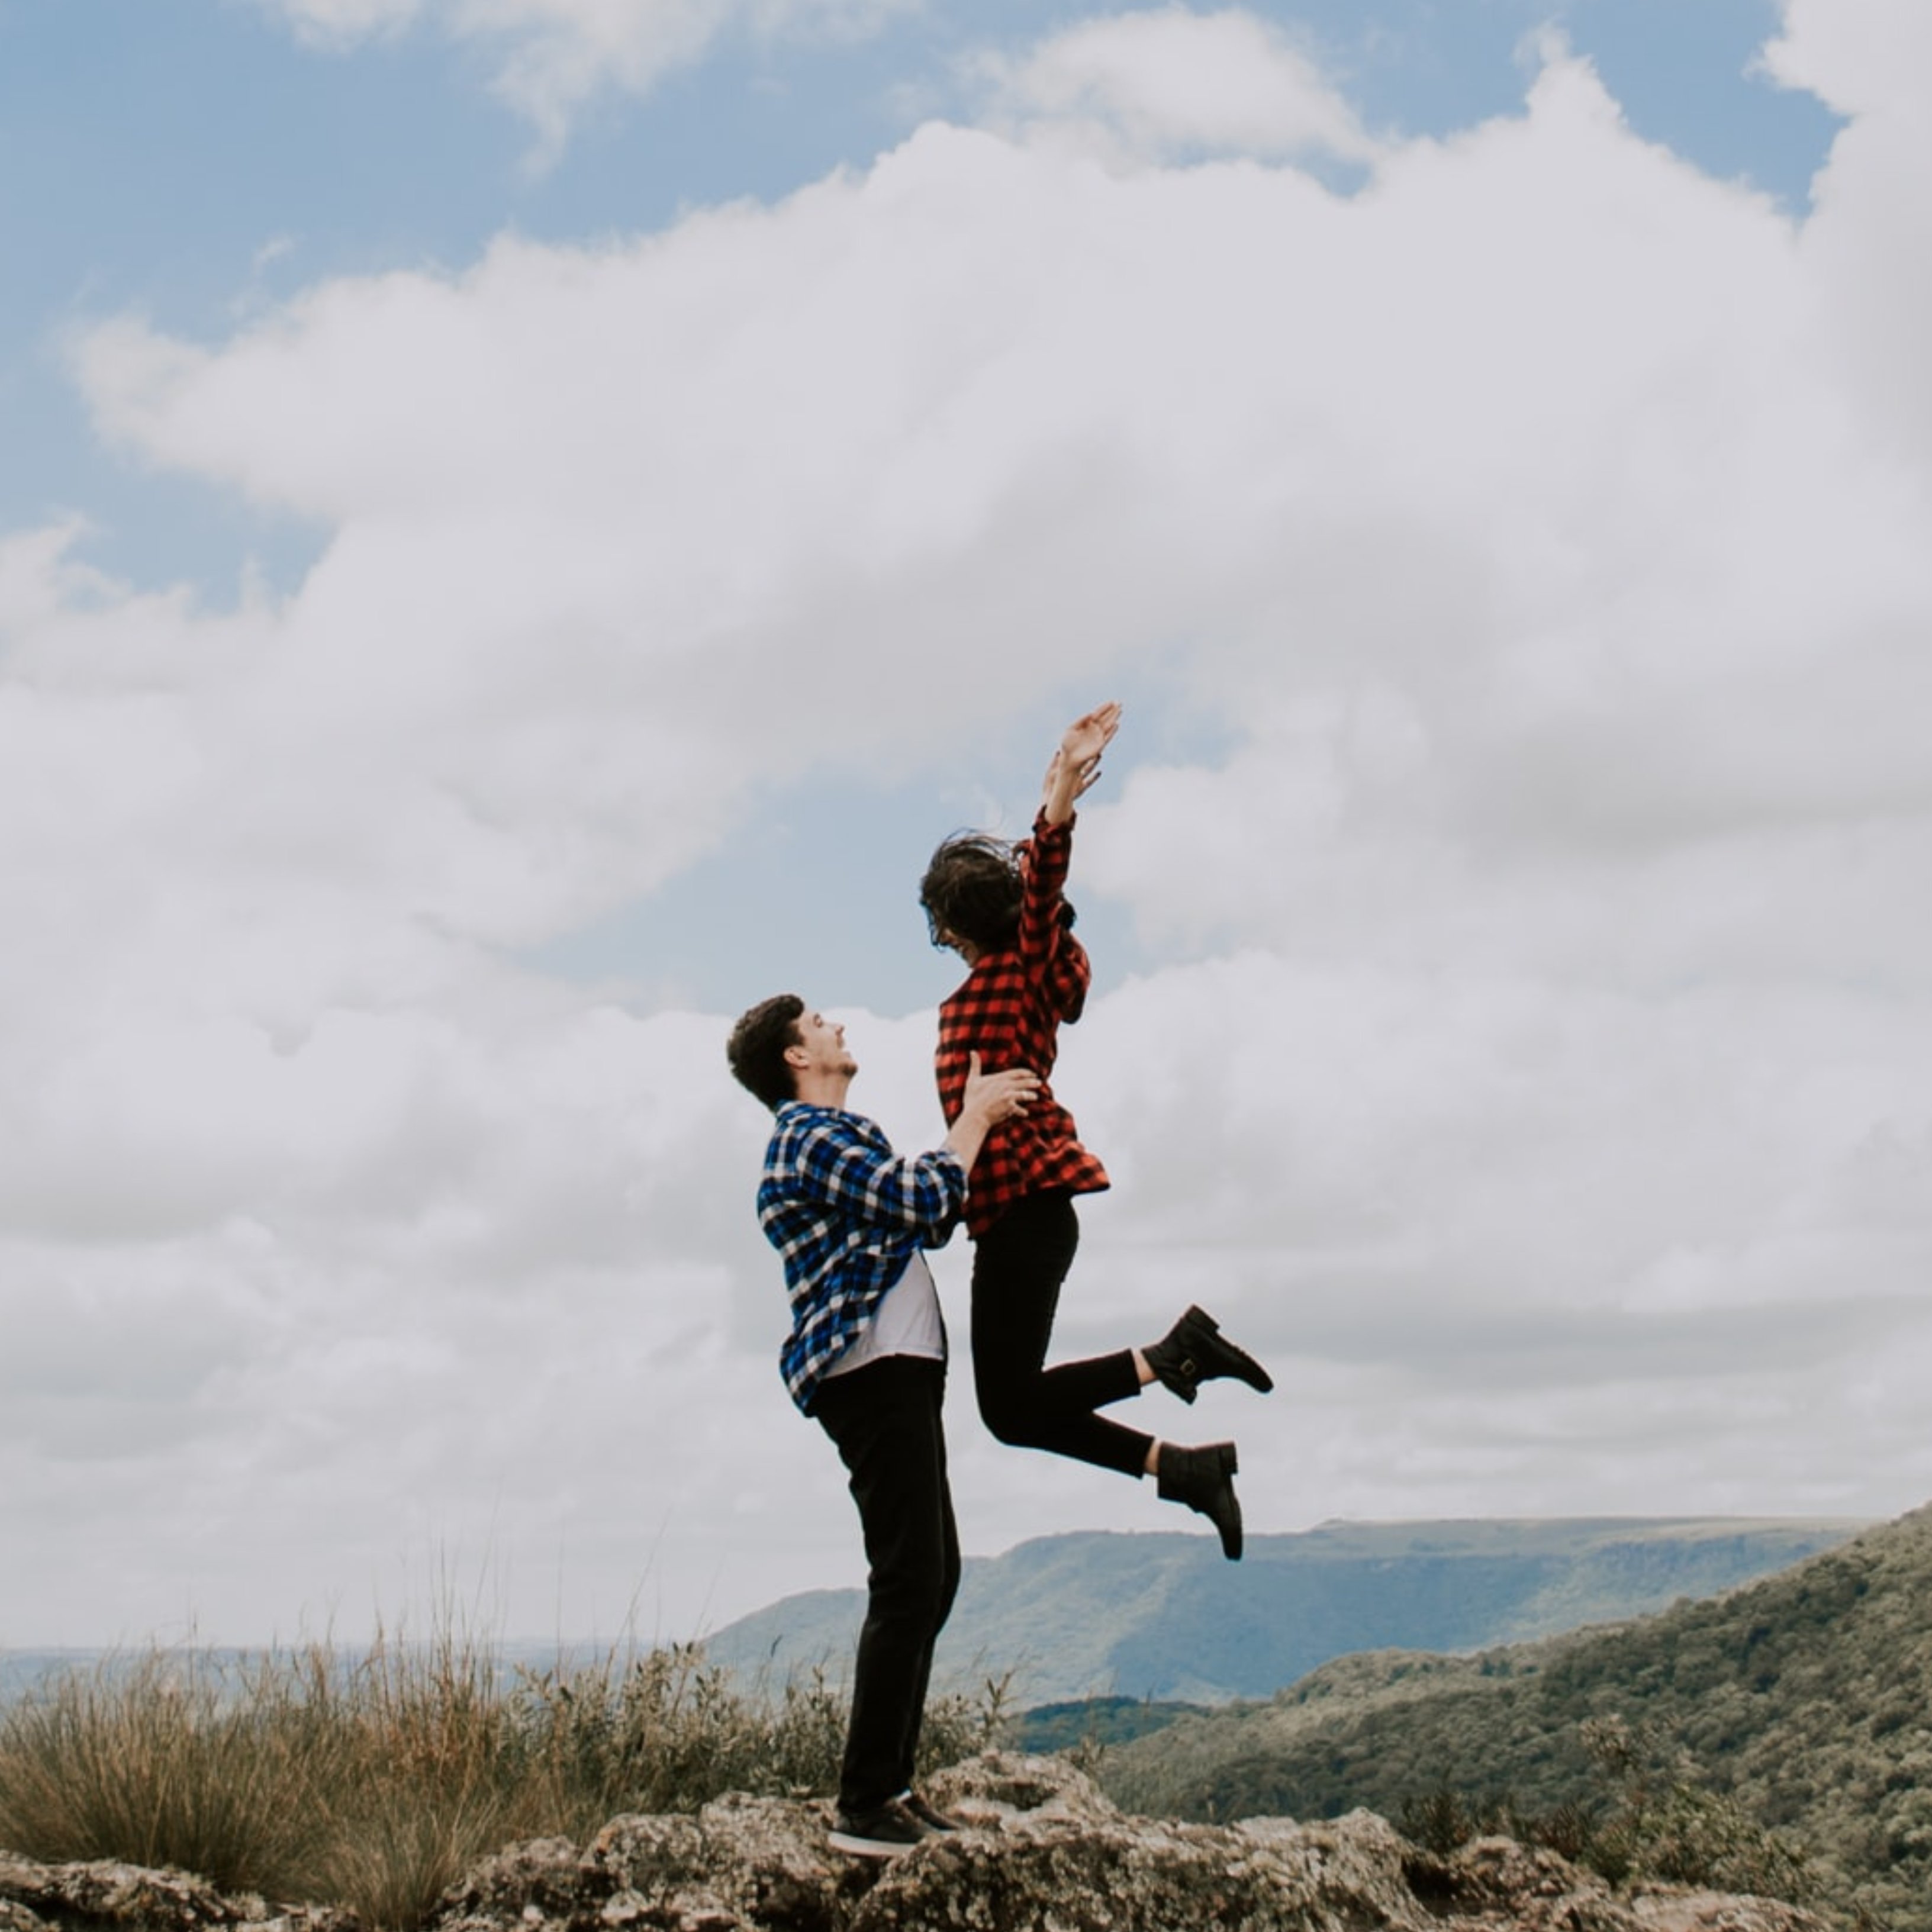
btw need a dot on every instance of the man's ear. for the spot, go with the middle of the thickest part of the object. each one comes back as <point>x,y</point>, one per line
<point>795,1055</point>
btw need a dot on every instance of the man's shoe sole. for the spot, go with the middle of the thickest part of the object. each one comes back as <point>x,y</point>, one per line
<point>857,1847</point>
<point>900,1832</point>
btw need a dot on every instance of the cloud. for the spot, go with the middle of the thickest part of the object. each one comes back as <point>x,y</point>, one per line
<point>1872,281</point>
<point>556,56</point>
<point>1530,1051</point>
<point>1174,83</point>
<point>343,23</point>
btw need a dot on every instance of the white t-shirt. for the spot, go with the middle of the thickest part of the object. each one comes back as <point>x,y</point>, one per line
<point>906,1322</point>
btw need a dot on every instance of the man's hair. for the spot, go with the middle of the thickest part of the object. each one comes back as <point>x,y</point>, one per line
<point>971,890</point>
<point>756,1048</point>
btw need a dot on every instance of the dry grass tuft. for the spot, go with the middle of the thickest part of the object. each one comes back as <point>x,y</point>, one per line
<point>374,1780</point>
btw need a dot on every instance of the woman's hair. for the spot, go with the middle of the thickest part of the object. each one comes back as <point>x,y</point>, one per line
<point>971,890</point>
<point>756,1048</point>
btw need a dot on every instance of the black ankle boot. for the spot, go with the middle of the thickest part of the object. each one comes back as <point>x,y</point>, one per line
<point>1193,1351</point>
<point>1203,1479</point>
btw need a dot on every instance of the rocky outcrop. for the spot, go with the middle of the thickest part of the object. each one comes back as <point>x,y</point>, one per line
<point>1044,1852</point>
<point>104,1896</point>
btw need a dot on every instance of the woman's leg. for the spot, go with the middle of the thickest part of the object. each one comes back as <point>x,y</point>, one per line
<point>1018,1267</point>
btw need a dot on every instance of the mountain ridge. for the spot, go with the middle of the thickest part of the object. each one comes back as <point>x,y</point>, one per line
<point>1160,1615</point>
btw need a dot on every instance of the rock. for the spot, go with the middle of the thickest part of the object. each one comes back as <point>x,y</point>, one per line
<point>105,1893</point>
<point>1495,1881</point>
<point>545,1877</point>
<point>1044,1851</point>
<point>1677,1911</point>
<point>1047,1849</point>
<point>742,1862</point>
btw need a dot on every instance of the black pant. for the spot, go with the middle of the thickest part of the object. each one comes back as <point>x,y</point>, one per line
<point>1019,1264</point>
<point>884,1420</point>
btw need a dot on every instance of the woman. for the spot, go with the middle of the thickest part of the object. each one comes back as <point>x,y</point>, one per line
<point>1002,909</point>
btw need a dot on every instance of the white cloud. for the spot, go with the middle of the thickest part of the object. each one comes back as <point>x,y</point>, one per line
<point>343,23</point>
<point>1535,1060</point>
<point>1870,268</point>
<point>1173,82</point>
<point>556,56</point>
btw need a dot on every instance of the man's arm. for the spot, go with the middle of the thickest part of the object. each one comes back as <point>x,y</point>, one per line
<point>841,1168</point>
<point>836,1166</point>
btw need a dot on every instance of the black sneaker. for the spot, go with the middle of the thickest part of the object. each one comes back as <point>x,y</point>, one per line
<point>882,1832</point>
<point>930,1816</point>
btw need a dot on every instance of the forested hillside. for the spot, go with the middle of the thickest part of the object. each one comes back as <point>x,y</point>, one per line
<point>1808,1697</point>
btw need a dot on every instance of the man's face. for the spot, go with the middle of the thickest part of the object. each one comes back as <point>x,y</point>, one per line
<point>823,1041</point>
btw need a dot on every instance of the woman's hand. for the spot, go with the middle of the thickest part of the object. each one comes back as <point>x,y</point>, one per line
<point>1075,764</point>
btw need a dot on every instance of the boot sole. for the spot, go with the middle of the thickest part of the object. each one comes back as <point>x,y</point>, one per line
<point>1231,1545</point>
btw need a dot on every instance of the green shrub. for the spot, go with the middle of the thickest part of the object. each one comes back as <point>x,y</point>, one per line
<point>1650,1820</point>
<point>1442,1818</point>
<point>1665,1826</point>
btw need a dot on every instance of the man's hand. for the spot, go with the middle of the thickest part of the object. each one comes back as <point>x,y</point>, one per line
<point>998,1096</point>
<point>990,1099</point>
<point>1076,762</point>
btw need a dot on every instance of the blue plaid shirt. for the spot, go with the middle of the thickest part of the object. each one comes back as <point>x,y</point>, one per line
<point>846,1215</point>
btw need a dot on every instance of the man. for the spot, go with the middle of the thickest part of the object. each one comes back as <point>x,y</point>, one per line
<point>865,1358</point>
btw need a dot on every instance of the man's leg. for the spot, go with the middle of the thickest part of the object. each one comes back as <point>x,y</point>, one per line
<point>884,1420</point>
<point>1018,1265</point>
<point>949,1588</point>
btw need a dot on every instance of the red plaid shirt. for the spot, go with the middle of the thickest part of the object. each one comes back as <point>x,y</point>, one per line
<point>1009,1012</point>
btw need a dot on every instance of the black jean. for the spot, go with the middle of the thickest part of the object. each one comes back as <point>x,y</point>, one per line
<point>1019,1264</point>
<point>884,1420</point>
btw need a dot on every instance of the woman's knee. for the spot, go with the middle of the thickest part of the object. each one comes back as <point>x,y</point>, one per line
<point>1011,1414</point>
<point>1020,1429</point>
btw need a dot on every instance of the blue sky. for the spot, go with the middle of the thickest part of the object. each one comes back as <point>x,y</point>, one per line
<point>197,164</point>
<point>517,539</point>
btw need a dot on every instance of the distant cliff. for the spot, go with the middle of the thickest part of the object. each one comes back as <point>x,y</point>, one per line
<point>1165,1616</point>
